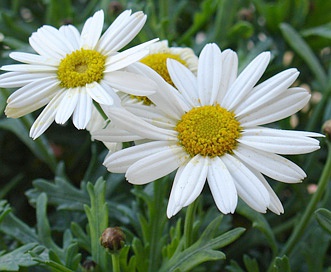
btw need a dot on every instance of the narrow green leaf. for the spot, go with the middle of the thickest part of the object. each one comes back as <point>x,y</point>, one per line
<point>303,50</point>
<point>16,258</point>
<point>4,209</point>
<point>322,31</point>
<point>323,217</point>
<point>251,264</point>
<point>97,215</point>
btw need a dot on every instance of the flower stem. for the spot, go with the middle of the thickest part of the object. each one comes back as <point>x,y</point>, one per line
<point>188,225</point>
<point>305,218</point>
<point>115,258</point>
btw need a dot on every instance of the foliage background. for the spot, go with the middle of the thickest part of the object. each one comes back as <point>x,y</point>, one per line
<point>54,170</point>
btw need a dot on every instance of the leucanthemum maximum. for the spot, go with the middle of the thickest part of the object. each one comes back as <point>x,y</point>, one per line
<point>72,69</point>
<point>210,128</point>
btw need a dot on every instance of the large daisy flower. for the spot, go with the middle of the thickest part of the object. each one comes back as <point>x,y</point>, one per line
<point>210,128</point>
<point>72,69</point>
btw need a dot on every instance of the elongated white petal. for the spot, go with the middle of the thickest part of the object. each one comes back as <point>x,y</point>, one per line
<point>42,89</point>
<point>48,41</point>
<point>185,81</point>
<point>67,106</point>
<point>266,91</point>
<point>28,68</point>
<point>131,83</point>
<point>121,31</point>
<point>99,94</point>
<point>285,105</point>
<point>46,118</point>
<point>18,79</point>
<point>92,30</point>
<point>34,59</point>
<point>269,164</point>
<point>249,187</point>
<point>123,59</point>
<point>156,165</point>
<point>113,134</point>
<point>245,81</point>
<point>83,110</point>
<point>209,74</point>
<point>222,186</point>
<point>188,184</point>
<point>72,35</point>
<point>120,161</point>
<point>229,72</point>
<point>279,141</point>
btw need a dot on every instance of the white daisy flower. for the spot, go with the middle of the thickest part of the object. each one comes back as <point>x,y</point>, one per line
<point>210,128</point>
<point>72,69</point>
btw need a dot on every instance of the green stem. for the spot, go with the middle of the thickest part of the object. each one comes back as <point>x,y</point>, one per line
<point>305,218</point>
<point>115,257</point>
<point>188,225</point>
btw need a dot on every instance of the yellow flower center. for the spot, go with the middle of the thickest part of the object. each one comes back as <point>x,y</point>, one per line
<point>81,67</point>
<point>209,131</point>
<point>158,62</point>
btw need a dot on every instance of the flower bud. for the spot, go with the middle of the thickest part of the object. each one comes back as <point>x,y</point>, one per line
<point>88,266</point>
<point>113,239</point>
<point>327,129</point>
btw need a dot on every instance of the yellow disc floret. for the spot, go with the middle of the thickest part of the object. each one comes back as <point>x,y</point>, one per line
<point>81,67</point>
<point>208,131</point>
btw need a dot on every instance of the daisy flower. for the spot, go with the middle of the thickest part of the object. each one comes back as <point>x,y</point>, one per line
<point>157,57</point>
<point>210,128</point>
<point>72,69</point>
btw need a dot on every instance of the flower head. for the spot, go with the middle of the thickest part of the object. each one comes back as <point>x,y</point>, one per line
<point>72,69</point>
<point>210,128</point>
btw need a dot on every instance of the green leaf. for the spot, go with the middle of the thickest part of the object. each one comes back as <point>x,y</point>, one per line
<point>4,209</point>
<point>303,50</point>
<point>203,250</point>
<point>251,264</point>
<point>97,215</point>
<point>322,31</point>
<point>281,264</point>
<point>323,217</point>
<point>16,258</point>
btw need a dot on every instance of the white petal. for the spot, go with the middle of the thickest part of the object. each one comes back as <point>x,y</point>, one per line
<point>279,141</point>
<point>188,184</point>
<point>222,186</point>
<point>46,118</point>
<point>229,72</point>
<point>34,59</point>
<point>120,161</point>
<point>100,94</point>
<point>156,165</point>
<point>121,31</point>
<point>50,42</point>
<point>266,91</point>
<point>28,68</point>
<point>249,187</point>
<point>92,30</point>
<point>288,103</point>
<point>269,164</point>
<point>113,134</point>
<point>246,81</point>
<point>131,83</point>
<point>83,111</point>
<point>17,79</point>
<point>209,74</point>
<point>67,105</point>
<point>72,34</point>
<point>184,80</point>
<point>127,57</point>
<point>43,89</point>
<point>130,122</point>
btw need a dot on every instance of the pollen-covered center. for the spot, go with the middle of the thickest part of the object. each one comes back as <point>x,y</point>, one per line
<point>81,67</point>
<point>158,62</point>
<point>208,131</point>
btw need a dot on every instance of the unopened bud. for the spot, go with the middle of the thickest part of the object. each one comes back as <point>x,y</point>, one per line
<point>88,266</point>
<point>327,129</point>
<point>113,239</point>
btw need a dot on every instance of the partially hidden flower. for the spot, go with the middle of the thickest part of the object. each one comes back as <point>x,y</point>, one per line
<point>211,128</point>
<point>72,69</point>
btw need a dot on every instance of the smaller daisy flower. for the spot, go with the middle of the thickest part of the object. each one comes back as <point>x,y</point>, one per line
<point>72,69</point>
<point>157,57</point>
<point>211,129</point>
